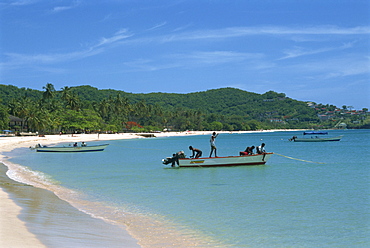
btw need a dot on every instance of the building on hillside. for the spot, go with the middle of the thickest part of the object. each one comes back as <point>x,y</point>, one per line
<point>16,123</point>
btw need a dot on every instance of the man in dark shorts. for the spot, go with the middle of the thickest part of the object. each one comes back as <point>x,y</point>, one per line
<point>196,152</point>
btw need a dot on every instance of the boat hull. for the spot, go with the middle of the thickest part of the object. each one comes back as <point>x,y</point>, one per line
<point>72,148</point>
<point>258,159</point>
<point>317,139</point>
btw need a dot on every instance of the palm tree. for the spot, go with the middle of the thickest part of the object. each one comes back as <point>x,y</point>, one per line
<point>103,109</point>
<point>22,109</point>
<point>37,119</point>
<point>72,100</point>
<point>49,91</point>
<point>66,93</point>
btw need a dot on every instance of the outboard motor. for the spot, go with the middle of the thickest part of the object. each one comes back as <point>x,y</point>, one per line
<point>174,159</point>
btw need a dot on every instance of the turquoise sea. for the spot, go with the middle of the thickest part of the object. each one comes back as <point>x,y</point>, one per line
<point>318,197</point>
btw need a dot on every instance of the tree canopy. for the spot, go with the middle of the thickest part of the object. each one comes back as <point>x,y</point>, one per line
<point>85,108</point>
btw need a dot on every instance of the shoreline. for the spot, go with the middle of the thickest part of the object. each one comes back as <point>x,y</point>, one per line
<point>10,237</point>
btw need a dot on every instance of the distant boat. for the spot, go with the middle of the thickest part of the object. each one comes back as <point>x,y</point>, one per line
<point>257,159</point>
<point>7,133</point>
<point>315,137</point>
<point>27,134</point>
<point>95,148</point>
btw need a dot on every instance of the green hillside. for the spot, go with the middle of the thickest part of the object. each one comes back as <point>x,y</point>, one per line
<point>87,108</point>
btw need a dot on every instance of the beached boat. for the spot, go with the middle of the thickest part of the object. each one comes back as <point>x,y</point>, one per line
<point>315,137</point>
<point>7,133</point>
<point>94,148</point>
<point>257,159</point>
<point>27,134</point>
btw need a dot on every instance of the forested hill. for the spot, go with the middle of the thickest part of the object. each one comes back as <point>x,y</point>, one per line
<point>224,101</point>
<point>88,108</point>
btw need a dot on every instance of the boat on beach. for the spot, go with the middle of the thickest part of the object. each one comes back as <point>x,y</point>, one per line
<point>7,133</point>
<point>93,148</point>
<point>315,137</point>
<point>256,159</point>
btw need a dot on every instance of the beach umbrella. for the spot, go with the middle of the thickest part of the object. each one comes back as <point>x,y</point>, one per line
<point>7,131</point>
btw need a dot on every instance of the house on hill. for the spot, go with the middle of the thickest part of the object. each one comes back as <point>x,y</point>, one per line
<point>16,123</point>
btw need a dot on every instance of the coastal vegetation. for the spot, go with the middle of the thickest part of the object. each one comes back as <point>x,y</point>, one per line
<point>88,109</point>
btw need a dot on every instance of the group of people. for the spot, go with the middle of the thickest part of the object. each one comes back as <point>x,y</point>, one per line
<point>197,153</point>
<point>249,150</point>
<point>82,144</point>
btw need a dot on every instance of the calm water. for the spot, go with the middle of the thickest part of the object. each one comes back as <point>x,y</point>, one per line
<point>285,203</point>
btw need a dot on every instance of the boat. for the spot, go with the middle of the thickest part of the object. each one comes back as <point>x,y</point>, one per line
<point>256,159</point>
<point>27,134</point>
<point>93,148</point>
<point>315,138</point>
<point>7,133</point>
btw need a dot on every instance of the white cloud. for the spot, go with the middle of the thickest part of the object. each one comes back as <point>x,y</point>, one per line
<point>300,51</point>
<point>22,2</point>
<point>157,26</point>
<point>215,57</point>
<point>16,59</point>
<point>118,36</point>
<point>330,68</point>
<point>191,60</point>
<point>63,8</point>
<point>268,30</point>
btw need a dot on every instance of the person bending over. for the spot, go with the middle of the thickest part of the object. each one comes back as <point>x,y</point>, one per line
<point>196,152</point>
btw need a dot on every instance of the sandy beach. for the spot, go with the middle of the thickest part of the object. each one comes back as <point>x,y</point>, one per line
<point>13,229</point>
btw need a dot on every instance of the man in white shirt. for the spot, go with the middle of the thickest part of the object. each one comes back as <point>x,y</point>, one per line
<point>213,144</point>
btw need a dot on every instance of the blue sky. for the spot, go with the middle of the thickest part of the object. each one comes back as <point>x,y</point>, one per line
<point>311,50</point>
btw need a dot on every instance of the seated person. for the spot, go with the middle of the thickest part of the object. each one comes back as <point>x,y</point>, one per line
<point>261,149</point>
<point>248,151</point>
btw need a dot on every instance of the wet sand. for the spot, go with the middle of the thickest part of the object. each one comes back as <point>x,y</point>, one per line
<point>43,220</point>
<point>13,232</point>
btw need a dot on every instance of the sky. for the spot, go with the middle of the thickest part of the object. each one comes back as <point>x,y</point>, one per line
<point>311,50</point>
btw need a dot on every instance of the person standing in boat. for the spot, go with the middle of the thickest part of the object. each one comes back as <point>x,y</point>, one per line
<point>196,152</point>
<point>213,144</point>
